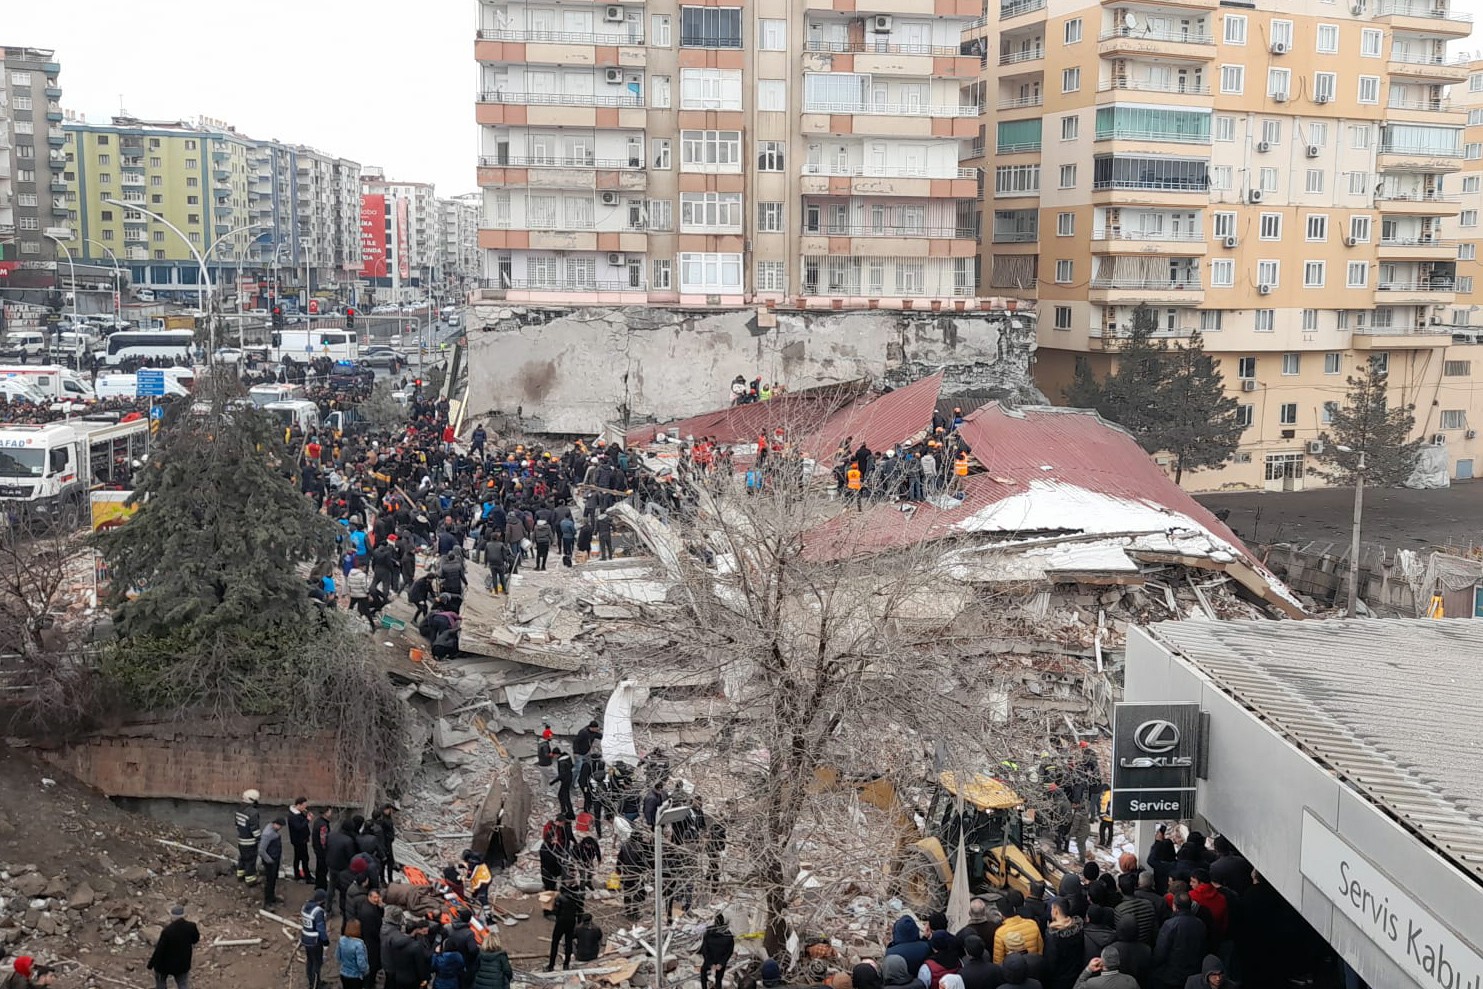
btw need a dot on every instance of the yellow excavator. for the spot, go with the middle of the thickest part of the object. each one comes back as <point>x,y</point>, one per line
<point>1000,851</point>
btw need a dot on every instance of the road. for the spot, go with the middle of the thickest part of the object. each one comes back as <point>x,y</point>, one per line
<point>1396,518</point>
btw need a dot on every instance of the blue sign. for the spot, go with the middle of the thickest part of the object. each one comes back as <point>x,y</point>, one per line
<point>157,412</point>
<point>149,384</point>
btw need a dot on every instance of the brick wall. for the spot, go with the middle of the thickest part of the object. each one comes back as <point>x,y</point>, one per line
<point>194,761</point>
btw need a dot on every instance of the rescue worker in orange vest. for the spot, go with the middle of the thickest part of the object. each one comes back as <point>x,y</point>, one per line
<point>960,465</point>
<point>853,482</point>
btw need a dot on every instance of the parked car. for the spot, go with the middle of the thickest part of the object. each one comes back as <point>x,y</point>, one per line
<point>382,356</point>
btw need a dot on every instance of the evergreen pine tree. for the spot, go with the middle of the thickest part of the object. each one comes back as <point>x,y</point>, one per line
<point>1366,421</point>
<point>1197,419</point>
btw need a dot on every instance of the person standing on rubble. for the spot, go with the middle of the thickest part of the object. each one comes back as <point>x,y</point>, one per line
<point>298,836</point>
<point>270,854</point>
<point>383,826</point>
<point>564,780</point>
<point>314,936</point>
<point>319,834</point>
<point>249,830</point>
<point>582,744</point>
<point>566,911</point>
<point>172,952</point>
<point>717,945</point>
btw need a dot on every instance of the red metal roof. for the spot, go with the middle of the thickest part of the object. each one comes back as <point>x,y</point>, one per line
<point>880,422</point>
<point>798,413</point>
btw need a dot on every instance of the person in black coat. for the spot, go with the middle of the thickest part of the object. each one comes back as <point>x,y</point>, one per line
<point>409,956</point>
<point>298,837</point>
<point>370,911</point>
<point>979,970</point>
<point>1135,954</point>
<point>173,951</point>
<point>717,945</point>
<point>567,910</point>
<point>320,829</point>
<point>565,777</point>
<point>588,938</point>
<point>340,848</point>
<point>1180,950</point>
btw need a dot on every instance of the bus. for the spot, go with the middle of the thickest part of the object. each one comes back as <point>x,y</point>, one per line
<point>303,345</point>
<point>176,345</point>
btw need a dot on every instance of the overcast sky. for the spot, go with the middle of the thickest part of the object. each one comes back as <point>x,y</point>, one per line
<point>381,82</point>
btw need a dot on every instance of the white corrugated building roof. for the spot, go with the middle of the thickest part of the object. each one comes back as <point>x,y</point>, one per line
<point>1394,708</point>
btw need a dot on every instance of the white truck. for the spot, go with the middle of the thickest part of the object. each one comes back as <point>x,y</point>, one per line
<point>295,412</point>
<point>57,383</point>
<point>50,467</point>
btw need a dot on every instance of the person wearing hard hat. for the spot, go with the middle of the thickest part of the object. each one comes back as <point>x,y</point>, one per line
<point>249,831</point>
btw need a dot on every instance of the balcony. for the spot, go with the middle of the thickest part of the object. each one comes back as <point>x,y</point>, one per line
<point>1408,15</point>
<point>1151,137</point>
<point>1428,68</point>
<point>1135,192</point>
<point>55,137</point>
<point>53,91</point>
<point>1401,337</point>
<point>1420,106</point>
<point>1018,8</point>
<point>54,114</point>
<point>131,164</point>
<point>1164,243</point>
<point>886,230</point>
<point>1172,88</point>
<point>1019,57</point>
<point>840,179</point>
<point>563,99</point>
<point>57,185</point>
<point>880,47</point>
<point>1418,249</point>
<point>1418,204</point>
<point>893,109</point>
<point>1421,292</point>
<point>562,37</point>
<point>1391,158</point>
<point>1015,237</point>
<point>128,179</point>
<point>1022,102</point>
<point>1134,42</point>
<point>609,292</point>
<point>1135,291</point>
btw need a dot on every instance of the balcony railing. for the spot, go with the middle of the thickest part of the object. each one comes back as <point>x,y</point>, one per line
<point>551,161</point>
<point>1159,236</point>
<point>1144,34</point>
<point>1019,102</point>
<point>1014,8</point>
<point>888,172</point>
<point>1172,185</point>
<point>1399,8</point>
<point>1424,285</point>
<point>710,41</point>
<point>1010,149</point>
<point>1436,106</point>
<point>1417,242</point>
<point>974,149</point>
<point>1168,137</point>
<point>1391,149</point>
<point>562,285</point>
<point>563,99</point>
<point>1148,86</point>
<point>1422,58</point>
<point>1014,58</point>
<point>1416,197</point>
<point>566,226</point>
<point>561,37</point>
<point>1016,236</point>
<point>1407,331</point>
<point>878,48</point>
<point>871,230</point>
<point>1150,284</point>
<point>977,23</point>
<point>894,109</point>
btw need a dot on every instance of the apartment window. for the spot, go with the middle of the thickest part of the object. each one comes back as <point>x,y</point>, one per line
<point>661,153</point>
<point>1467,252</point>
<point>1473,151</point>
<point>1359,134</point>
<point>1266,272</point>
<point>1267,179</point>
<point>193,200</point>
<point>1270,226</point>
<point>156,180</point>
<point>25,127</point>
<point>1470,183</point>
<point>159,255</point>
<point>1061,318</point>
<point>1318,226</point>
<point>710,27</point>
<point>1318,135</point>
<point>1370,42</point>
<point>705,211</point>
<point>189,145</point>
<point>1271,132</point>
<point>1232,78</point>
<point>911,277</point>
<point>1380,362</point>
<point>1369,92</point>
<point>1014,180</point>
<point>34,247</point>
<point>1071,79</point>
<point>28,199</point>
<point>1223,225</point>
<point>1225,128</point>
<point>1068,176</point>
<point>159,236</point>
<point>1279,83</point>
<point>661,214</point>
<point>1065,224</point>
<point>1314,181</point>
<point>710,272</point>
<point>1292,364</point>
<point>772,35</point>
<point>1246,367</point>
<point>1313,273</point>
<point>1467,218</point>
<point>194,218</point>
<point>1220,177</point>
<point>1310,320</point>
<point>1359,183</point>
<point>1358,274</point>
<point>1064,271</point>
<point>769,156</point>
<point>1287,414</point>
<point>769,218</point>
<point>771,95</point>
<point>1222,273</point>
<point>659,92</point>
<point>1359,229</point>
<point>1457,369</point>
<point>1328,39</point>
<point>710,89</point>
<point>190,163</point>
<point>772,276</point>
<point>710,150</point>
<point>104,178</point>
<point>1324,86</point>
<point>1235,29</point>
<point>1071,31</point>
<point>1464,283</point>
<point>1280,33</point>
<point>1475,82</point>
<point>1326,413</point>
<point>1210,320</point>
<point>103,160</point>
<point>23,80</point>
<point>1070,127</point>
<point>191,182</point>
<point>107,234</point>
<point>28,223</point>
<point>1454,419</point>
<point>1333,363</point>
<point>1245,415</point>
<point>663,274</point>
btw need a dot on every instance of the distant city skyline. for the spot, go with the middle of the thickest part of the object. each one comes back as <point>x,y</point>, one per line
<point>383,87</point>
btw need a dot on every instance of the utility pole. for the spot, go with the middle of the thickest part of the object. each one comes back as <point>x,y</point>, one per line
<point>1359,507</point>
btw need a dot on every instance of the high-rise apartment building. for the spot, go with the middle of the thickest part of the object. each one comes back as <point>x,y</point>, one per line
<point>797,152</point>
<point>256,211</point>
<point>461,262</point>
<point>1275,175</point>
<point>32,199</point>
<point>423,234</point>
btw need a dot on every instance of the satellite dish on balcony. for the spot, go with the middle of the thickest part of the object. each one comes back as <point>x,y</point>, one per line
<point>1129,21</point>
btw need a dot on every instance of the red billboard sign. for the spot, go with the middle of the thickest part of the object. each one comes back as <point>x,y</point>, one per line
<point>373,236</point>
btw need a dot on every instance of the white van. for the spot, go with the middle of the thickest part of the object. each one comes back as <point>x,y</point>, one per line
<point>296,412</point>
<point>24,344</point>
<point>266,394</point>
<point>56,383</point>
<point>17,389</point>
<point>127,386</point>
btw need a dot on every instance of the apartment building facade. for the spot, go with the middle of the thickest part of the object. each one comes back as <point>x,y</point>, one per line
<point>32,203</point>
<point>1281,177</point>
<point>461,263</point>
<point>422,234</point>
<point>258,212</point>
<point>786,152</point>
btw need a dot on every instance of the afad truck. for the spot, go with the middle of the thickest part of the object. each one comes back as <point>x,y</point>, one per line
<point>49,467</point>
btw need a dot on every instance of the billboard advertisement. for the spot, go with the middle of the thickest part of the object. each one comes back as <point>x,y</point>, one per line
<point>403,241</point>
<point>373,236</point>
<point>1156,751</point>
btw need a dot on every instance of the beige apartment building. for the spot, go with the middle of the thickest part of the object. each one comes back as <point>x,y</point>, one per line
<point>807,153</point>
<point>1283,177</point>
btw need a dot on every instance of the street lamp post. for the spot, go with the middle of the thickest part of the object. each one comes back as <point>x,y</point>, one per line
<point>211,319</point>
<point>204,288</point>
<point>71,271</point>
<point>118,276</point>
<point>665,816</point>
<point>1359,504</point>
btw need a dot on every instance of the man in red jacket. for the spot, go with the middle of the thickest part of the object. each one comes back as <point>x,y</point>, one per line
<point>1209,896</point>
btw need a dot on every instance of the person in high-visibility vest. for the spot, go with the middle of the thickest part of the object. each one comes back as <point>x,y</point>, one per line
<point>1104,821</point>
<point>853,481</point>
<point>960,465</point>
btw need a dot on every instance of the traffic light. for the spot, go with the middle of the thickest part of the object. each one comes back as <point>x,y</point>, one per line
<point>277,317</point>
<point>350,319</point>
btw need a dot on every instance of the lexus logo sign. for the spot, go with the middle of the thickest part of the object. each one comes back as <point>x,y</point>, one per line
<point>1156,737</point>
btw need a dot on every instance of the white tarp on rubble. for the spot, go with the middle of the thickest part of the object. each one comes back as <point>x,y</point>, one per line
<point>1431,469</point>
<point>617,723</point>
